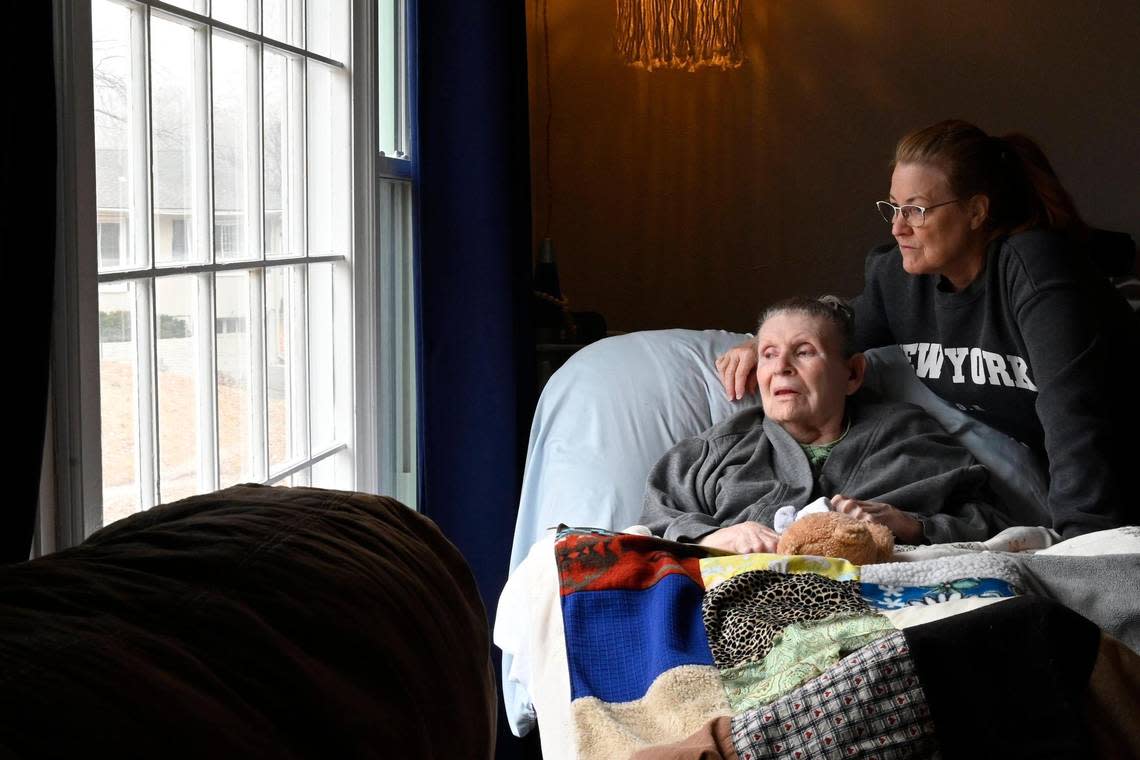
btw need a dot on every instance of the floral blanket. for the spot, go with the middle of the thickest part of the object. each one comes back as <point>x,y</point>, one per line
<point>790,656</point>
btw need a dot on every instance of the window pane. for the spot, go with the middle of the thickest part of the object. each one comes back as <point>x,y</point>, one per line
<point>120,133</point>
<point>240,13</point>
<point>324,473</point>
<point>327,31</point>
<point>118,379</point>
<point>330,202</point>
<point>237,186</point>
<point>211,148</point>
<point>391,78</point>
<point>179,386</point>
<point>406,364</point>
<point>283,21</point>
<point>322,401</point>
<point>284,155</point>
<point>198,6</point>
<point>285,365</point>
<point>111,239</point>
<point>179,137</point>
<point>236,405</point>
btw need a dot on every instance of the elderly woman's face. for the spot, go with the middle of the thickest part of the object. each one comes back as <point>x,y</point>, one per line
<point>804,377</point>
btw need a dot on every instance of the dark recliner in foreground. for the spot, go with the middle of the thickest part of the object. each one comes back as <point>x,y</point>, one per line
<point>255,621</point>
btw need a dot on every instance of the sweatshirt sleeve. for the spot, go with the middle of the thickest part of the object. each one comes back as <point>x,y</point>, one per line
<point>919,468</point>
<point>969,517</point>
<point>675,506</point>
<point>1072,369</point>
<point>871,326</point>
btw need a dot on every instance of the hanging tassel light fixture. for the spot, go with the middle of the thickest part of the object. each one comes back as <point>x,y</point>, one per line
<point>679,34</point>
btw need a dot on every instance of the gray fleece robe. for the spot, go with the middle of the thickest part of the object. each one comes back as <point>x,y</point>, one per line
<point>747,467</point>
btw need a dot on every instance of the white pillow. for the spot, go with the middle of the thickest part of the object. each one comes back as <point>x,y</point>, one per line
<point>606,417</point>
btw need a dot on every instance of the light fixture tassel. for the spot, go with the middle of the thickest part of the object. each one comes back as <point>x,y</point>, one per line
<point>679,34</point>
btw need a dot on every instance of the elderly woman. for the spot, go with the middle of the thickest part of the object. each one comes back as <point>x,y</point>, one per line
<point>990,291</point>
<point>887,463</point>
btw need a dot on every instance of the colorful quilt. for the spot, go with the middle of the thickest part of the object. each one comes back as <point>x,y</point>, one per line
<point>799,655</point>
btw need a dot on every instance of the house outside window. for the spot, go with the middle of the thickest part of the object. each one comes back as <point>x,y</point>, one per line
<point>251,263</point>
<point>111,242</point>
<point>227,237</point>
<point>174,231</point>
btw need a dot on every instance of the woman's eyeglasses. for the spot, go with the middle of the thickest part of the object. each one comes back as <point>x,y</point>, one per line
<point>914,216</point>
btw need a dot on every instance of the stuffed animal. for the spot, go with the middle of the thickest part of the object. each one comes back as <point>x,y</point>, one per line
<point>834,534</point>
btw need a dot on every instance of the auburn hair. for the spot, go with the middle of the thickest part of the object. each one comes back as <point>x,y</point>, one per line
<point>1011,170</point>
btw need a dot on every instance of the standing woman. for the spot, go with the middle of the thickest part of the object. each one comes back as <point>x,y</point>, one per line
<point>990,292</point>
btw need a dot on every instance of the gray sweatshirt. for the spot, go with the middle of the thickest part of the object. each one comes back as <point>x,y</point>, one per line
<point>747,467</point>
<point>1039,346</point>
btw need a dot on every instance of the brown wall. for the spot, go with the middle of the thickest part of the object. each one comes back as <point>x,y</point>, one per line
<point>690,199</point>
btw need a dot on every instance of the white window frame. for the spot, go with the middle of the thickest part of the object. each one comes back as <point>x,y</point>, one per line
<point>72,508</point>
<point>385,184</point>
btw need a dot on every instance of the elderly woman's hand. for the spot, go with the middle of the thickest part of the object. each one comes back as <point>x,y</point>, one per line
<point>907,529</point>
<point>743,538</point>
<point>737,370</point>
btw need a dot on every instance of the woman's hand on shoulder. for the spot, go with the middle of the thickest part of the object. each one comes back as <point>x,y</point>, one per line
<point>737,370</point>
<point>743,538</point>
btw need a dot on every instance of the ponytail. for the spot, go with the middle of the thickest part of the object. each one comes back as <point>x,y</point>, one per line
<point>1050,205</point>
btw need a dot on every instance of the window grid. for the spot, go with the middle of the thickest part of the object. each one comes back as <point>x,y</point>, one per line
<point>145,395</point>
<point>203,272</point>
<point>393,187</point>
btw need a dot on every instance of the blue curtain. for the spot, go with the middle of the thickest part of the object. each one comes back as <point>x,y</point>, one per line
<point>472,184</point>
<point>29,161</point>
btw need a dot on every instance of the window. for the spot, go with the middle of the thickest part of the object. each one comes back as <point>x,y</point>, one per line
<point>251,262</point>
<point>173,229</point>
<point>227,238</point>
<point>110,244</point>
<point>397,408</point>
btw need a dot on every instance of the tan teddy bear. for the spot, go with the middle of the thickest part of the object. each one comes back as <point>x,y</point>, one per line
<point>834,534</point>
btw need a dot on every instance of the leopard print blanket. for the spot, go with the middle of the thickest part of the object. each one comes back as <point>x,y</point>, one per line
<point>745,614</point>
